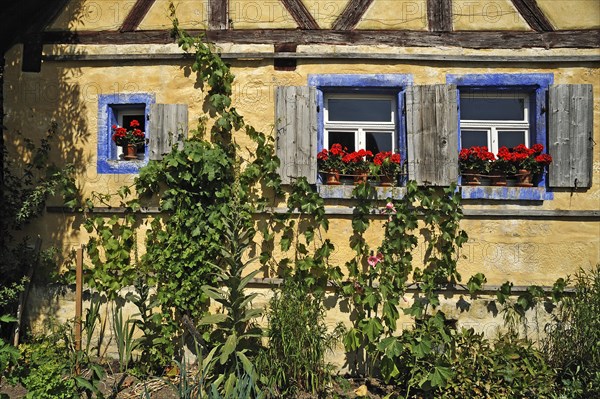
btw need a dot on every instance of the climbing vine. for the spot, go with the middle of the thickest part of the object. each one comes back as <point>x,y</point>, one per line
<point>197,251</point>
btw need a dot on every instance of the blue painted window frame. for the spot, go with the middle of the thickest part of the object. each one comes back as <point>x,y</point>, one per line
<point>108,105</point>
<point>393,83</point>
<point>534,84</point>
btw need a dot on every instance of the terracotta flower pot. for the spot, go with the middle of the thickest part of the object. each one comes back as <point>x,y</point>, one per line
<point>333,177</point>
<point>471,178</point>
<point>524,178</point>
<point>361,177</point>
<point>130,151</point>
<point>386,180</point>
<point>498,180</point>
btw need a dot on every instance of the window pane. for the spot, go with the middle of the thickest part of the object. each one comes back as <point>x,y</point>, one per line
<point>502,109</point>
<point>377,142</point>
<point>346,139</point>
<point>473,138</point>
<point>364,110</point>
<point>511,138</point>
<point>140,118</point>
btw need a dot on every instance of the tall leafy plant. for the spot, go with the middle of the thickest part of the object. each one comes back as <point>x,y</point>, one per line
<point>299,339</point>
<point>234,335</point>
<point>572,344</point>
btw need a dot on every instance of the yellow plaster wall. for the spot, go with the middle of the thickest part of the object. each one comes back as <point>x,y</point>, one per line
<point>395,14</point>
<point>487,15</point>
<point>325,12</point>
<point>382,14</point>
<point>191,15</point>
<point>93,15</point>
<point>525,251</point>
<point>259,14</point>
<point>572,14</point>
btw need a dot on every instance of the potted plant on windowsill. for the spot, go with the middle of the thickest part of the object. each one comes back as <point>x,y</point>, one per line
<point>474,163</point>
<point>529,163</point>
<point>130,139</point>
<point>358,164</point>
<point>502,167</point>
<point>387,167</point>
<point>330,163</point>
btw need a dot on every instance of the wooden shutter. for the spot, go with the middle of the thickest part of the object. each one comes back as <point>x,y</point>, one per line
<point>571,122</point>
<point>432,132</point>
<point>296,129</point>
<point>168,127</point>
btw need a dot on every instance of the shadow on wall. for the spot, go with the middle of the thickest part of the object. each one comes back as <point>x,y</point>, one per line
<point>33,104</point>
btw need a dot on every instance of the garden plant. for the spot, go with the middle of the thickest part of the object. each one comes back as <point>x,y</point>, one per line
<point>197,329</point>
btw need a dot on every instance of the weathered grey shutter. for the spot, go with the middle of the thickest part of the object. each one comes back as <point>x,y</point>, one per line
<point>432,132</point>
<point>168,127</point>
<point>296,129</point>
<point>570,143</point>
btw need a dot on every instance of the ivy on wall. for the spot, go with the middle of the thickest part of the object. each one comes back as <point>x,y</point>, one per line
<point>198,251</point>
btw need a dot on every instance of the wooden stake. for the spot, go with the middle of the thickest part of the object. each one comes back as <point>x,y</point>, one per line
<point>78,300</point>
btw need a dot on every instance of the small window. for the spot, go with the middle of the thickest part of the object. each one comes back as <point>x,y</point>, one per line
<point>120,109</point>
<point>124,115</point>
<point>494,119</point>
<point>360,122</point>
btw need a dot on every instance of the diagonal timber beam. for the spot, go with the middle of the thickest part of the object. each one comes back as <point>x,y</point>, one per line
<point>351,15</point>
<point>534,16</point>
<point>300,13</point>
<point>136,14</point>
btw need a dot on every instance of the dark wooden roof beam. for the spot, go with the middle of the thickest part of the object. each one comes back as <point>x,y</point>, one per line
<point>534,16</point>
<point>32,38</point>
<point>487,39</point>
<point>218,14</point>
<point>439,15</point>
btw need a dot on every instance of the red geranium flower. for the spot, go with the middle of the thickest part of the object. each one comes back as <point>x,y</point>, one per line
<point>123,137</point>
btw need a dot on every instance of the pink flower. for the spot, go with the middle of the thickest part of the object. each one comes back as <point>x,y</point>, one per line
<point>389,208</point>
<point>374,260</point>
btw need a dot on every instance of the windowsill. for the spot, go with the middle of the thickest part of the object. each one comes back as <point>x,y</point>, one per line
<point>344,191</point>
<point>115,166</point>
<point>506,193</point>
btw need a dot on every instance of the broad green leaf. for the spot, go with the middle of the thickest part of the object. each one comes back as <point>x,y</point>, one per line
<point>352,339</point>
<point>246,363</point>
<point>228,348</point>
<point>285,243</point>
<point>251,314</point>
<point>213,319</point>
<point>7,319</point>
<point>389,370</point>
<point>476,282</point>
<point>372,328</point>
<point>83,383</point>
<point>440,376</point>
<point>390,346</point>
<point>422,347</point>
<point>246,279</point>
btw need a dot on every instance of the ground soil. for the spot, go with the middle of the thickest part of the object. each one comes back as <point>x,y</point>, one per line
<point>123,386</point>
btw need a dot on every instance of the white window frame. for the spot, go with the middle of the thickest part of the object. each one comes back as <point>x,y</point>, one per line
<point>121,112</point>
<point>493,127</point>
<point>359,128</point>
